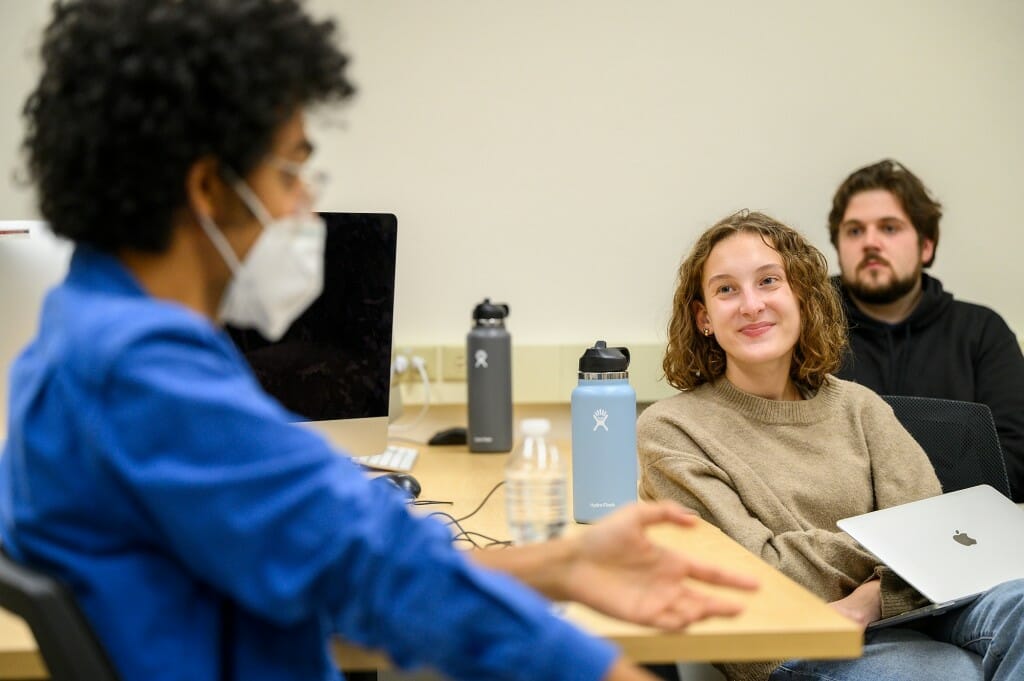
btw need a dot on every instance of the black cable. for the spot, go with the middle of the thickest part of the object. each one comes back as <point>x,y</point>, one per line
<point>464,535</point>
<point>491,541</point>
<point>477,509</point>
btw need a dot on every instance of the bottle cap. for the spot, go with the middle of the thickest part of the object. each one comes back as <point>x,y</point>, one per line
<point>489,310</point>
<point>535,427</point>
<point>603,359</point>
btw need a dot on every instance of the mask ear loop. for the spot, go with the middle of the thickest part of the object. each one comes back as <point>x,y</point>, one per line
<point>248,196</point>
<point>219,242</point>
<point>214,233</point>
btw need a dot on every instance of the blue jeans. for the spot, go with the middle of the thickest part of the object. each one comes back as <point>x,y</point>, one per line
<point>982,640</point>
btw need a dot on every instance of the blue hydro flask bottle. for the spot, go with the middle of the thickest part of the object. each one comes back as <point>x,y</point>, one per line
<point>604,461</point>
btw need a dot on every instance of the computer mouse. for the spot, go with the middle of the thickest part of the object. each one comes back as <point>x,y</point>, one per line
<point>449,436</point>
<point>404,482</point>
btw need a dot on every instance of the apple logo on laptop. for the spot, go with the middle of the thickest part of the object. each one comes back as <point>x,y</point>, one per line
<point>964,538</point>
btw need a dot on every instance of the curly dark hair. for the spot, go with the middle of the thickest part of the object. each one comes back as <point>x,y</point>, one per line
<point>133,92</point>
<point>922,209</point>
<point>692,358</point>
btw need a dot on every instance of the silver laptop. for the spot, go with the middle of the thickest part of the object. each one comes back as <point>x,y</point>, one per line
<point>951,548</point>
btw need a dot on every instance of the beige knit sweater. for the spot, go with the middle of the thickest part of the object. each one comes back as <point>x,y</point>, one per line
<point>776,476</point>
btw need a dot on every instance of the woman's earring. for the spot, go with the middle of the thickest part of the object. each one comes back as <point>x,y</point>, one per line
<point>707,331</point>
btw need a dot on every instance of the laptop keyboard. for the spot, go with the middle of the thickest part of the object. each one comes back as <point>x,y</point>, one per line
<point>394,458</point>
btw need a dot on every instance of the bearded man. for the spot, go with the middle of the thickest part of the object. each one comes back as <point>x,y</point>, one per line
<point>908,336</point>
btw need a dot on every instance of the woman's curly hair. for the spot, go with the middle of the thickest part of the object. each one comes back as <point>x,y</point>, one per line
<point>692,358</point>
<point>133,92</point>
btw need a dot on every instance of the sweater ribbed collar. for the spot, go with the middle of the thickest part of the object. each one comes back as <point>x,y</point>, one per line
<point>807,411</point>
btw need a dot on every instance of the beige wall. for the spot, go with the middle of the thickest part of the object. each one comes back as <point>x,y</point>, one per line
<point>562,155</point>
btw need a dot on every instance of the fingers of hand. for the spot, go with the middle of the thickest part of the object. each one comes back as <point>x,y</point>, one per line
<point>716,575</point>
<point>678,514</point>
<point>693,606</point>
<point>653,512</point>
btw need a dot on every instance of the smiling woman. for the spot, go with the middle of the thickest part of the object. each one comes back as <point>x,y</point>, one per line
<point>788,266</point>
<point>752,312</point>
<point>769,446</point>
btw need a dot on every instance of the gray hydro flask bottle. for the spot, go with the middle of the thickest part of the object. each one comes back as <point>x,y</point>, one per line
<point>489,379</point>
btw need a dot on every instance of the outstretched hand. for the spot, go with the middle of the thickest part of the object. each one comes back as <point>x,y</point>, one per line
<point>617,570</point>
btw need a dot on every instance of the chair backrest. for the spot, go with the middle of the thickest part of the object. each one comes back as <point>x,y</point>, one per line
<point>66,643</point>
<point>960,438</point>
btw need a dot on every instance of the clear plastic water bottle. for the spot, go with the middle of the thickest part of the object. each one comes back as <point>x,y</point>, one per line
<point>535,486</point>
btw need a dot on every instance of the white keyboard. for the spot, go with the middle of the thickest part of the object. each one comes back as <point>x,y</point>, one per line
<point>394,458</point>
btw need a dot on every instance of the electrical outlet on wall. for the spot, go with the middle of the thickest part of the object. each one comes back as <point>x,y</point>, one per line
<point>429,354</point>
<point>453,363</point>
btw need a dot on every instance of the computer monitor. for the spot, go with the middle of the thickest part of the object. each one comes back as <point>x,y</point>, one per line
<point>332,367</point>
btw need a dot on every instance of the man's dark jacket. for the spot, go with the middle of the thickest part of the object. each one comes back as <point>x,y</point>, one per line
<point>950,349</point>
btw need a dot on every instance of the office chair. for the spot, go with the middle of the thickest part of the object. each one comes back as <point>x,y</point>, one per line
<point>66,642</point>
<point>960,438</point>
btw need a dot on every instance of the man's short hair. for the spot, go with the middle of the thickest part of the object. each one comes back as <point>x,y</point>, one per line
<point>133,92</point>
<point>923,210</point>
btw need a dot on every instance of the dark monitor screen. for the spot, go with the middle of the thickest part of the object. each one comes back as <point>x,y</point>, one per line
<point>334,362</point>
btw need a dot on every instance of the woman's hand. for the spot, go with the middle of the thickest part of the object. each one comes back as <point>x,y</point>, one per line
<point>863,605</point>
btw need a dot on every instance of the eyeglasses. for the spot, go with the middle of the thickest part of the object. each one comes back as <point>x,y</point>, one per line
<point>314,180</point>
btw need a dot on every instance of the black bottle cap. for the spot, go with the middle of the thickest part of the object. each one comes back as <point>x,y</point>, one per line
<point>602,359</point>
<point>489,310</point>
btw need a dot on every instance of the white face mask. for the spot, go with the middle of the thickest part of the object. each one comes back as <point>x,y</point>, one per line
<point>282,274</point>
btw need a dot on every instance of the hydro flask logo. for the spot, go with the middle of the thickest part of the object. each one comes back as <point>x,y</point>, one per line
<point>481,359</point>
<point>600,416</point>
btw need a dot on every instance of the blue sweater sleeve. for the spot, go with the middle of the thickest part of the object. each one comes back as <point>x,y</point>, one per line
<point>268,513</point>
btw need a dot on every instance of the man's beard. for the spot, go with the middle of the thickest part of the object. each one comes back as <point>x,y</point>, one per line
<point>882,294</point>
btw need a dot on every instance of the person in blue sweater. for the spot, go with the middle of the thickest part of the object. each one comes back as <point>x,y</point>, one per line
<point>203,535</point>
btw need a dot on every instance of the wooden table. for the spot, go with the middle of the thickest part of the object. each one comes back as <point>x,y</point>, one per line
<point>19,658</point>
<point>781,619</point>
